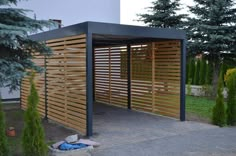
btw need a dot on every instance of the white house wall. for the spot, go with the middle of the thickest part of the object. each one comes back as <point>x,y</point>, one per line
<point>4,93</point>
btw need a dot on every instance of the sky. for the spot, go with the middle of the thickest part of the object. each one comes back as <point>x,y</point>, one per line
<point>130,9</point>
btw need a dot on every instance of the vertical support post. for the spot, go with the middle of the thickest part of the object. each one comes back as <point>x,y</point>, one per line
<point>89,83</point>
<point>65,83</point>
<point>20,94</point>
<point>182,83</point>
<point>129,76</point>
<point>94,80</point>
<point>109,76</point>
<point>153,75</point>
<point>45,88</point>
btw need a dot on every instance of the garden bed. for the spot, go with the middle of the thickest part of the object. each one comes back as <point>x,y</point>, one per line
<point>15,118</point>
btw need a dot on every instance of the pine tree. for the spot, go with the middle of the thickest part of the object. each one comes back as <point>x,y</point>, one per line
<point>33,140</point>
<point>16,47</point>
<point>219,116</point>
<point>4,150</point>
<point>212,29</point>
<point>163,14</point>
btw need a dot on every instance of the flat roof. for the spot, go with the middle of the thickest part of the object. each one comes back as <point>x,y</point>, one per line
<point>114,33</point>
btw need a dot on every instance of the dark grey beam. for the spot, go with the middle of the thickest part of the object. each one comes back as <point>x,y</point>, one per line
<point>45,89</point>
<point>182,83</point>
<point>72,30</point>
<point>110,29</point>
<point>136,31</point>
<point>89,85</point>
<point>129,75</point>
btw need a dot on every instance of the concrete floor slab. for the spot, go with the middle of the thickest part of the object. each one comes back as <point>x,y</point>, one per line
<point>124,132</point>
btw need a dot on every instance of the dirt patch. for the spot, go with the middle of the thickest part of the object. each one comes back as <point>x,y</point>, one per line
<point>15,118</point>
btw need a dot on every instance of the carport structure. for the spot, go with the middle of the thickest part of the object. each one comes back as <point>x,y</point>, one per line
<point>133,67</point>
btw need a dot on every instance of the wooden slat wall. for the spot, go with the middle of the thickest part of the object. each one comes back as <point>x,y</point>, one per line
<point>40,86</point>
<point>167,78</point>
<point>155,77</point>
<point>141,84</point>
<point>102,75</point>
<point>110,85</point>
<point>66,82</point>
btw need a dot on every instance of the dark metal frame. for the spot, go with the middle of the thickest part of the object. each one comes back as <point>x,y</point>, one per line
<point>130,34</point>
<point>129,76</point>
<point>90,86</point>
<point>45,89</point>
<point>182,83</point>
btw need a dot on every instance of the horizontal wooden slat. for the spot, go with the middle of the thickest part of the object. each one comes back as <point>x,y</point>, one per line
<point>66,82</point>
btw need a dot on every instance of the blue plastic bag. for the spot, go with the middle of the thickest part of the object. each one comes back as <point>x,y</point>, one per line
<point>66,146</point>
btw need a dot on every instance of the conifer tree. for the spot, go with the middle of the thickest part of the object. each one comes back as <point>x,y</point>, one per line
<point>33,140</point>
<point>212,29</point>
<point>231,99</point>
<point>4,149</point>
<point>16,47</point>
<point>219,116</point>
<point>163,14</point>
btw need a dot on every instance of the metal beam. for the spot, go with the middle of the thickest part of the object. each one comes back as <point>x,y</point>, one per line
<point>89,83</point>
<point>129,76</point>
<point>182,83</point>
<point>110,29</point>
<point>45,89</point>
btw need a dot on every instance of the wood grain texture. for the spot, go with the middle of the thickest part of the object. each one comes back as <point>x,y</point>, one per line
<point>110,84</point>
<point>66,82</point>
<point>155,77</point>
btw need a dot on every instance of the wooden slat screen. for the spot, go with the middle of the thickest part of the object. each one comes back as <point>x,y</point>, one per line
<point>40,86</point>
<point>110,85</point>
<point>66,82</point>
<point>102,75</point>
<point>141,84</point>
<point>155,77</point>
<point>167,78</point>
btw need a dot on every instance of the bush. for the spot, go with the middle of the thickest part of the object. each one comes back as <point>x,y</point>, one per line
<point>33,140</point>
<point>218,117</point>
<point>4,150</point>
<point>230,79</point>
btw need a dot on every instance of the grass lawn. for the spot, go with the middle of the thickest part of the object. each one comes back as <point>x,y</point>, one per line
<point>199,108</point>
